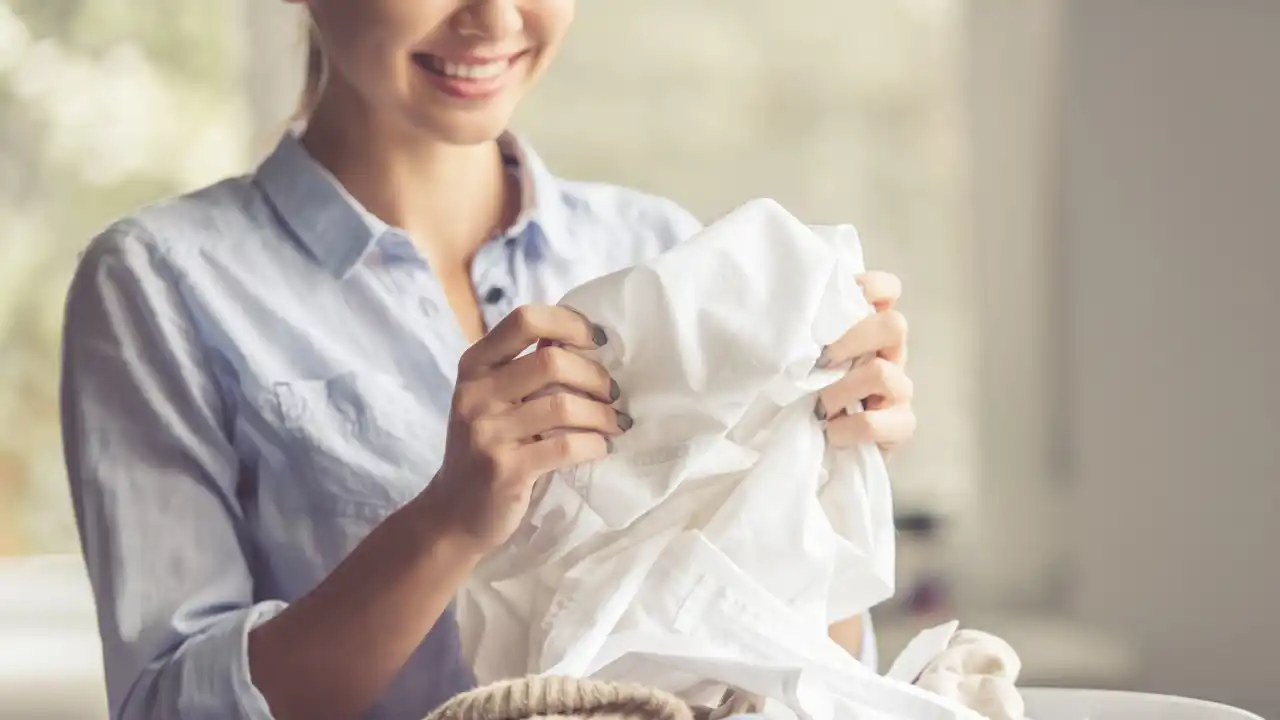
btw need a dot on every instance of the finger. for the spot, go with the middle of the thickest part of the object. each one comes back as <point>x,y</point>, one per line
<point>564,450</point>
<point>896,354</point>
<point>881,289</point>
<point>551,366</point>
<point>878,378</point>
<point>887,427</point>
<point>563,411</point>
<point>884,334</point>
<point>527,325</point>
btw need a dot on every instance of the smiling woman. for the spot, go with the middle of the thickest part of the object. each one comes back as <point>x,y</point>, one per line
<point>112,107</point>
<point>312,380</point>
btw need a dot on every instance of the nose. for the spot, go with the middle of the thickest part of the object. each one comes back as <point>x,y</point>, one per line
<point>489,19</point>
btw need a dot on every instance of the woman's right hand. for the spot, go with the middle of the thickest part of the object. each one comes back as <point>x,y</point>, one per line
<point>516,417</point>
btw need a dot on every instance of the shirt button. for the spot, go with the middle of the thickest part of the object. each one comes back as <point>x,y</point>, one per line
<point>494,295</point>
<point>428,306</point>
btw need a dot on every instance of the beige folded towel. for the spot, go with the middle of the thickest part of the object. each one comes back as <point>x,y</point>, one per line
<point>561,698</point>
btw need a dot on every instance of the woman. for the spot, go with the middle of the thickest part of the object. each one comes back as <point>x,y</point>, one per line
<point>261,377</point>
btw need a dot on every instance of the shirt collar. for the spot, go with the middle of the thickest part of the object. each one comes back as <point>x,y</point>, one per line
<point>543,208</point>
<point>335,229</point>
<point>338,231</point>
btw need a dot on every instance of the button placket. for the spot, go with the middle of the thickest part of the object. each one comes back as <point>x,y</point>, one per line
<point>494,285</point>
<point>495,312</point>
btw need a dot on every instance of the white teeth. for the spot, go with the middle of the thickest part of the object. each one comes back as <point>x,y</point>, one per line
<point>469,72</point>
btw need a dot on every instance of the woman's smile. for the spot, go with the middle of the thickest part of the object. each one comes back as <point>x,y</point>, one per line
<point>472,78</point>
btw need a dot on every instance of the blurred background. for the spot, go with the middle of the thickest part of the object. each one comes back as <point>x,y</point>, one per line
<point>1082,197</point>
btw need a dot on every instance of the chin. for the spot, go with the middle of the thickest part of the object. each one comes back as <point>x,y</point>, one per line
<point>464,129</point>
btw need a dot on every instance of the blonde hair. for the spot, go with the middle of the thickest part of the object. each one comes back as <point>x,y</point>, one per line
<point>317,73</point>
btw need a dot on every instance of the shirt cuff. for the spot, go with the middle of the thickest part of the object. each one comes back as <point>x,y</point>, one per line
<point>215,668</point>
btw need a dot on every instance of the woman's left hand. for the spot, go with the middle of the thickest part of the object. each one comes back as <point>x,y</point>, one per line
<point>878,378</point>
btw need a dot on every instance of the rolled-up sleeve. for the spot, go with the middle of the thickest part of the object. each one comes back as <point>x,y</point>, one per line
<point>153,475</point>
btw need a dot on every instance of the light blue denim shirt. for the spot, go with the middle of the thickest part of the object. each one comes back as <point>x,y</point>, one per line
<point>254,376</point>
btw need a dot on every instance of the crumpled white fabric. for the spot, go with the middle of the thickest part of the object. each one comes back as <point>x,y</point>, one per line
<point>716,545</point>
<point>975,668</point>
<point>979,670</point>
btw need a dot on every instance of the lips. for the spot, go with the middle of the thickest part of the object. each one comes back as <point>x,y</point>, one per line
<point>471,79</point>
<point>470,69</point>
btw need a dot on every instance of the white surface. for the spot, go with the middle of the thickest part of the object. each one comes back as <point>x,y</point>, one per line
<point>1055,704</point>
<point>661,564</point>
<point>50,656</point>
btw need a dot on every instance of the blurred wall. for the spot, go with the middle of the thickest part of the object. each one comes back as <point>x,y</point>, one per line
<point>1010,554</point>
<point>1170,245</point>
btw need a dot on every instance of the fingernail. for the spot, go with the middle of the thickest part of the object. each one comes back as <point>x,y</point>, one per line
<point>820,410</point>
<point>608,445</point>
<point>823,360</point>
<point>615,392</point>
<point>598,335</point>
<point>625,421</point>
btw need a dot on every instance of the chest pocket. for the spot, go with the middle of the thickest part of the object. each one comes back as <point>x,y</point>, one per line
<point>361,441</point>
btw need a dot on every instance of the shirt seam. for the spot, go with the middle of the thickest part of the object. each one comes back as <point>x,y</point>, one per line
<point>161,253</point>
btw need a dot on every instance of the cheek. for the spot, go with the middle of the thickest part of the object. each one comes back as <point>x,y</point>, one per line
<point>376,73</point>
<point>548,21</point>
<point>371,39</point>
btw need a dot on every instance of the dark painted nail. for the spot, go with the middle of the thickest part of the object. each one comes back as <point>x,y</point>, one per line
<point>820,410</point>
<point>598,335</point>
<point>625,421</point>
<point>823,360</point>
<point>615,392</point>
<point>608,445</point>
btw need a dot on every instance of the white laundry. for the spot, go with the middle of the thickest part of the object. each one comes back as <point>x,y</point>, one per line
<point>714,548</point>
<point>979,670</point>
